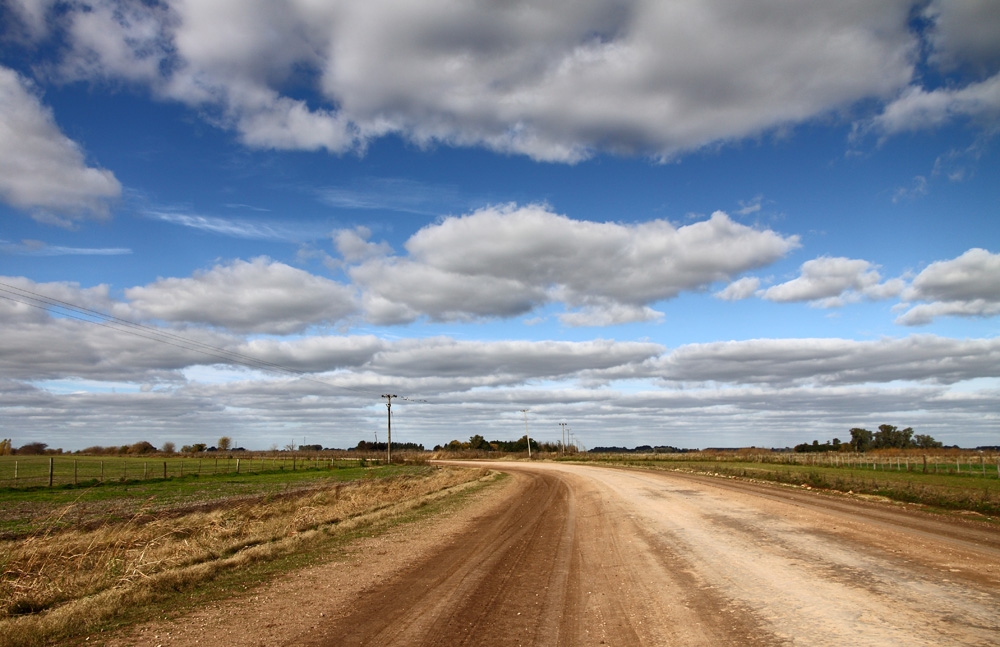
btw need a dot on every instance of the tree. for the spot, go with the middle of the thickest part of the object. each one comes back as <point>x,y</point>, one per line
<point>169,447</point>
<point>923,441</point>
<point>861,439</point>
<point>5,447</point>
<point>141,447</point>
<point>891,437</point>
<point>32,448</point>
<point>224,443</point>
<point>478,442</point>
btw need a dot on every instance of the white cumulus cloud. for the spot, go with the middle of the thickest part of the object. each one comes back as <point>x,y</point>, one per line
<point>918,108</point>
<point>833,361</point>
<point>967,286</point>
<point>740,289</point>
<point>505,261</point>
<point>551,79</point>
<point>261,296</point>
<point>832,281</point>
<point>964,33</point>
<point>41,169</point>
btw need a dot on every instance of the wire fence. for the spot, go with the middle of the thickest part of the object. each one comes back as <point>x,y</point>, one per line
<point>973,464</point>
<point>55,471</point>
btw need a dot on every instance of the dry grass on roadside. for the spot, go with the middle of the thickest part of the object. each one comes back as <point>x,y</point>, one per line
<point>58,584</point>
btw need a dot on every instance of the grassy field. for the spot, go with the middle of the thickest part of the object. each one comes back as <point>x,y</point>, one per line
<point>33,471</point>
<point>29,510</point>
<point>964,481</point>
<point>82,559</point>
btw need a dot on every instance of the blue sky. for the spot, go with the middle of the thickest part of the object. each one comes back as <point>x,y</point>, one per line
<point>691,224</point>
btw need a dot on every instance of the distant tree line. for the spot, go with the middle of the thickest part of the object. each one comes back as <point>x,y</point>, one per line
<point>816,446</point>
<point>639,449</point>
<point>366,446</point>
<point>891,437</point>
<point>862,440</point>
<point>478,443</point>
<point>30,449</point>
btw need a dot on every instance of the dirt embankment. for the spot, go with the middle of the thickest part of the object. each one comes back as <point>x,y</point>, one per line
<point>582,555</point>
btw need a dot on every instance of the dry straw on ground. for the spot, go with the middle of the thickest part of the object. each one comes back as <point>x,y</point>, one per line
<point>61,583</point>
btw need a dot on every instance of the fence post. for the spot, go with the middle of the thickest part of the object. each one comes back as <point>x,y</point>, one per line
<point>51,463</point>
<point>925,463</point>
<point>165,468</point>
<point>145,470</point>
<point>15,472</point>
<point>237,466</point>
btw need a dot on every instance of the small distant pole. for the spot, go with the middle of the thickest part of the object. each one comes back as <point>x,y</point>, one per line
<point>525,412</point>
<point>51,463</point>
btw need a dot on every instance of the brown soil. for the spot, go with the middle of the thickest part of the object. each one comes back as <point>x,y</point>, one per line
<point>585,555</point>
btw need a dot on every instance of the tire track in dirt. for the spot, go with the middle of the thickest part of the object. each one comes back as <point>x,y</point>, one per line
<point>559,566</point>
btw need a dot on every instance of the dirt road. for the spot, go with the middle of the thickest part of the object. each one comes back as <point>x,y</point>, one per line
<point>585,555</point>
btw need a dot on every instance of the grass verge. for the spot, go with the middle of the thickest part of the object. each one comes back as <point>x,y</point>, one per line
<point>72,583</point>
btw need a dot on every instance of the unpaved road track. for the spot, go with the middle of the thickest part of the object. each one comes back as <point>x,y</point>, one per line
<point>586,555</point>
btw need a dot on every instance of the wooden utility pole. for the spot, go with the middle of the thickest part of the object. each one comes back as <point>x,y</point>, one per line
<point>388,408</point>
<point>525,412</point>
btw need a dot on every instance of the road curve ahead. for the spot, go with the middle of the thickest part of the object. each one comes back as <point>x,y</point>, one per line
<point>587,555</point>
